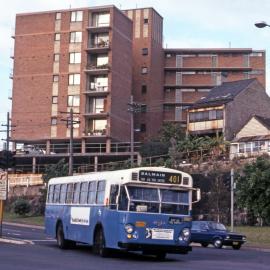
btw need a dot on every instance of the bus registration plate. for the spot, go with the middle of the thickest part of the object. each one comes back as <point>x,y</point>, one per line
<point>162,234</point>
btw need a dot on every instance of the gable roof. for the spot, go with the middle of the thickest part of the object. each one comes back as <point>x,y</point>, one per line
<point>223,93</point>
<point>263,120</point>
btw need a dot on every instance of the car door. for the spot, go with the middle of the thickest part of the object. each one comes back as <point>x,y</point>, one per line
<point>197,231</point>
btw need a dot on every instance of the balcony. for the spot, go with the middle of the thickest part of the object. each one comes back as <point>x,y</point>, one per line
<point>95,132</point>
<point>97,69</point>
<point>97,91</point>
<point>101,46</point>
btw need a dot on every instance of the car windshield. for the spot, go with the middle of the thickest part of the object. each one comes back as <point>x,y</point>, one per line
<point>217,226</point>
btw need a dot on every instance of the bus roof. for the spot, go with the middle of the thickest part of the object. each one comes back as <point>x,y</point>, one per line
<point>123,176</point>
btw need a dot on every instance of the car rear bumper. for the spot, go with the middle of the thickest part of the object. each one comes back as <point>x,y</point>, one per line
<point>231,242</point>
<point>155,248</point>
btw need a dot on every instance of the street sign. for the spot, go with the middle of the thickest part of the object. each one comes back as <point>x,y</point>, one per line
<point>3,186</point>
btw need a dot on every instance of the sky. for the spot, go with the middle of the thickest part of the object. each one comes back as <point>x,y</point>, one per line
<point>187,24</point>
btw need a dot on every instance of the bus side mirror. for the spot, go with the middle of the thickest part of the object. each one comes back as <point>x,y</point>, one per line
<point>197,195</point>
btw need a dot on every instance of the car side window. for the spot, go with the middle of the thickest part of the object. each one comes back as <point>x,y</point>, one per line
<point>195,226</point>
<point>204,226</point>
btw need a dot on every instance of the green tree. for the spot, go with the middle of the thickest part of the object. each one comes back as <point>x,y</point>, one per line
<point>171,131</point>
<point>253,189</point>
<point>55,170</point>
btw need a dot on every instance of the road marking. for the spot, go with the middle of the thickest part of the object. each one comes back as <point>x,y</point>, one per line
<point>12,241</point>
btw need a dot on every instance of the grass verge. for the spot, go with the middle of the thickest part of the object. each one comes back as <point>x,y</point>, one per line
<point>30,220</point>
<point>256,236</point>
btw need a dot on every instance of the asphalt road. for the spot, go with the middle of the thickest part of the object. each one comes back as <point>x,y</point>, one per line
<point>38,252</point>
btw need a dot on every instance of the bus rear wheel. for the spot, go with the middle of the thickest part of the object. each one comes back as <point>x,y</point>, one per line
<point>61,241</point>
<point>99,246</point>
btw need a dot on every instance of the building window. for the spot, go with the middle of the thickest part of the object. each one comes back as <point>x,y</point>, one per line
<point>57,36</point>
<point>75,37</point>
<point>144,51</point>
<point>75,58</point>
<point>58,16</point>
<point>144,89</point>
<point>144,70</point>
<point>56,57</point>
<point>54,99</point>
<point>74,79</point>
<point>73,101</point>
<point>143,128</point>
<point>53,121</point>
<point>145,21</point>
<point>101,19</point>
<point>55,78</point>
<point>97,105</point>
<point>76,16</point>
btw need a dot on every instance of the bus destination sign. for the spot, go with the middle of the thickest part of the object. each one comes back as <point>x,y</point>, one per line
<point>160,177</point>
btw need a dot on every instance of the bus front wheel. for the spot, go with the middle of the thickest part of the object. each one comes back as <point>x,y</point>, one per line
<point>99,246</point>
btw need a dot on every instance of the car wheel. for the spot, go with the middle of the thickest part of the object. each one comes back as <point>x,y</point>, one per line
<point>204,245</point>
<point>99,246</point>
<point>217,243</point>
<point>236,247</point>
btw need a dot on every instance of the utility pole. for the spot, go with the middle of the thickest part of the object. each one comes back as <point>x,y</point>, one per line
<point>232,198</point>
<point>70,123</point>
<point>131,132</point>
<point>70,167</point>
<point>134,107</point>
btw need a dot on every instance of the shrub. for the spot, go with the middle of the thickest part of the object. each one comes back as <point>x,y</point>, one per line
<point>21,207</point>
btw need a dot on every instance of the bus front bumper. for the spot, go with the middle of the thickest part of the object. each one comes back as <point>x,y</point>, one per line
<point>154,248</point>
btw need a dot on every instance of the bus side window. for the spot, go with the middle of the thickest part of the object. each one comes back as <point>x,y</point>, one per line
<point>69,193</point>
<point>63,193</point>
<point>76,196</point>
<point>123,199</point>
<point>84,193</point>
<point>92,192</point>
<point>101,192</point>
<point>113,196</point>
<point>56,193</point>
<point>50,194</point>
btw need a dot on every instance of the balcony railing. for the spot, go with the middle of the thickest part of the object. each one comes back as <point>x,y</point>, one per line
<point>100,44</point>
<point>96,132</point>
<point>98,89</point>
<point>97,67</point>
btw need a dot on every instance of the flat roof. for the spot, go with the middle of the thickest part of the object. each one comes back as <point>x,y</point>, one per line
<point>207,50</point>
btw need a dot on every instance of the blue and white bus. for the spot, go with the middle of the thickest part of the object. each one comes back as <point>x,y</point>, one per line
<point>144,209</point>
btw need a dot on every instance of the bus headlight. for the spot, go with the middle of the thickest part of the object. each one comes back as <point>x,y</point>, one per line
<point>129,228</point>
<point>184,235</point>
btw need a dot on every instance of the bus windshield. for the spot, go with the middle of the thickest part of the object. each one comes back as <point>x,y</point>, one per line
<point>157,200</point>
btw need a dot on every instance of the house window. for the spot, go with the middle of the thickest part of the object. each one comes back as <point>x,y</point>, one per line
<point>145,21</point>
<point>75,58</point>
<point>57,36</point>
<point>144,51</point>
<point>241,147</point>
<point>58,16</point>
<point>74,79</point>
<point>53,121</point>
<point>75,37</point>
<point>73,101</point>
<point>76,16</point>
<point>144,89</point>
<point>56,57</point>
<point>143,128</point>
<point>54,99</point>
<point>144,70</point>
<point>101,19</point>
<point>55,78</point>
<point>248,147</point>
<point>219,114</point>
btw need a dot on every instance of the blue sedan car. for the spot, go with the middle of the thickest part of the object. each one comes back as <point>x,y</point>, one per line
<point>210,232</point>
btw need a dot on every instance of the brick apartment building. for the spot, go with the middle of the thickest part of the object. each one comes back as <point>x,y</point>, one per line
<point>93,60</point>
